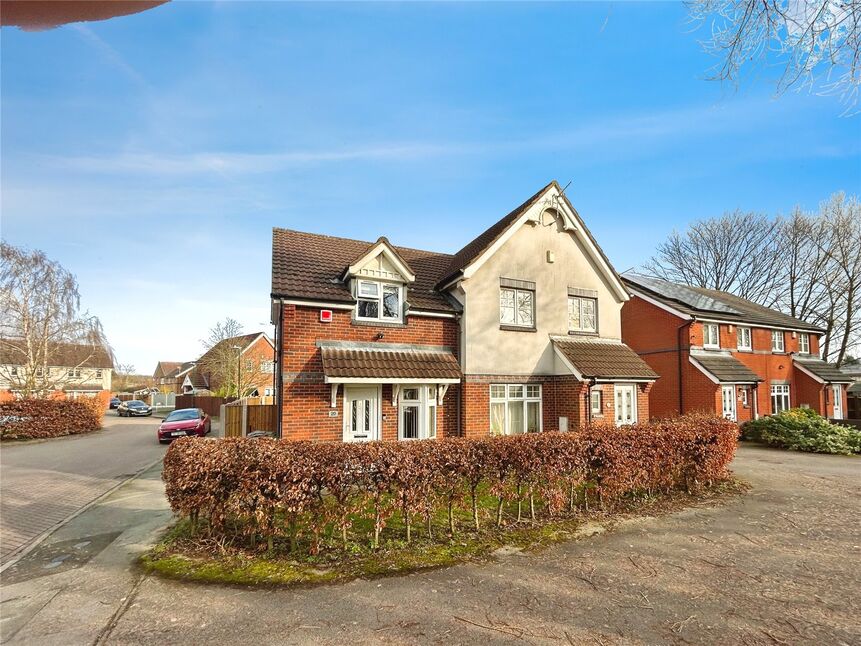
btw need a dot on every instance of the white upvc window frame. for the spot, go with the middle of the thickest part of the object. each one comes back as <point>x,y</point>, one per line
<point>804,343</point>
<point>73,372</point>
<point>378,297</point>
<point>596,402</point>
<point>743,392</point>
<point>426,405</point>
<point>515,308</point>
<point>509,396</point>
<point>778,335</point>
<point>708,341</point>
<point>267,365</point>
<point>780,393</point>
<point>742,343</point>
<point>577,303</point>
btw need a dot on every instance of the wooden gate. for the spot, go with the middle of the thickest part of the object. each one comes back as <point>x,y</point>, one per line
<point>238,420</point>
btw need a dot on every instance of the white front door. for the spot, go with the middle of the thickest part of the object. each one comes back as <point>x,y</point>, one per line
<point>361,413</point>
<point>728,397</point>
<point>837,393</point>
<point>626,404</point>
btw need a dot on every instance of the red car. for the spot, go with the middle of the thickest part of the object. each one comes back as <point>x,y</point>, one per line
<point>182,422</point>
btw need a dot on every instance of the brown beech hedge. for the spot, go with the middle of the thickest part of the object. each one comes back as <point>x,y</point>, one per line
<point>252,489</point>
<point>40,418</point>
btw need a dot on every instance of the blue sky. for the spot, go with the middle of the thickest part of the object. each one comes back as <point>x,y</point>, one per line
<point>152,154</point>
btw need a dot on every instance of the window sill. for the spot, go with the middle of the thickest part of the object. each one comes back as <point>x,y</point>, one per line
<point>517,328</point>
<point>370,323</point>
<point>711,347</point>
<point>745,350</point>
<point>582,333</point>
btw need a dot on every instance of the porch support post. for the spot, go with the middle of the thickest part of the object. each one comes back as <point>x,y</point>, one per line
<point>334,395</point>
<point>396,392</point>
<point>441,390</point>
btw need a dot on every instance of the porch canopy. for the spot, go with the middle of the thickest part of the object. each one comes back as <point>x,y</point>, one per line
<point>821,371</point>
<point>601,360</point>
<point>350,363</point>
<point>724,368</point>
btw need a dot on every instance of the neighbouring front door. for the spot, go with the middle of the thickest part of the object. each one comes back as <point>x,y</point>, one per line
<point>361,413</point>
<point>626,404</point>
<point>837,393</point>
<point>728,397</point>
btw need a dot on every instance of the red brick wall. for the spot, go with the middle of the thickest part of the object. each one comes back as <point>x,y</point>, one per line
<point>307,399</point>
<point>807,391</point>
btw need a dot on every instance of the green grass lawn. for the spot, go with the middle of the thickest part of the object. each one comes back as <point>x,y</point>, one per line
<point>195,556</point>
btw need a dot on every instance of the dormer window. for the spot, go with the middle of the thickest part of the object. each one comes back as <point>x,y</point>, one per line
<point>377,301</point>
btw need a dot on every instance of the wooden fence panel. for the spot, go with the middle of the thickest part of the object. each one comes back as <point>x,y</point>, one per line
<point>261,417</point>
<point>232,422</point>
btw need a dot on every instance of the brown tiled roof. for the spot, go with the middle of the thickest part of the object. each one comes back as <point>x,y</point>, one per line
<point>309,265</point>
<point>827,372</point>
<point>725,368</point>
<point>62,355</point>
<point>389,363</point>
<point>242,341</point>
<point>165,368</point>
<point>713,303</point>
<point>596,359</point>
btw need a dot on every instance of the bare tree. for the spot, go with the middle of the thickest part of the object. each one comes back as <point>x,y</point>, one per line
<point>736,252</point>
<point>817,42</point>
<point>230,373</point>
<point>40,315</point>
<point>808,265</point>
<point>123,376</point>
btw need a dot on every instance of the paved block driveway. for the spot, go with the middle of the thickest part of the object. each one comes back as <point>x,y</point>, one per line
<point>779,566</point>
<point>44,482</point>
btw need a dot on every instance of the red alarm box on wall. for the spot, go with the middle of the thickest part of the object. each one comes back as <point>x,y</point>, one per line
<point>325,316</point>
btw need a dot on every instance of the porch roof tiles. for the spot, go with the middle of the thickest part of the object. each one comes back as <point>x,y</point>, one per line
<point>726,368</point>
<point>827,372</point>
<point>389,364</point>
<point>599,359</point>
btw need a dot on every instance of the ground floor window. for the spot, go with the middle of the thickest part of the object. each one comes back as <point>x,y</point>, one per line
<point>515,409</point>
<point>595,399</point>
<point>417,413</point>
<point>779,398</point>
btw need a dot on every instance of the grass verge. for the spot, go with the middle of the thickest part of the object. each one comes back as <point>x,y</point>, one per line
<point>180,555</point>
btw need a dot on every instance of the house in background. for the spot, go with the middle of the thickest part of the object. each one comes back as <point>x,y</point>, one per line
<point>255,368</point>
<point>169,375</point>
<point>852,369</point>
<point>519,331</point>
<point>73,369</point>
<point>720,353</point>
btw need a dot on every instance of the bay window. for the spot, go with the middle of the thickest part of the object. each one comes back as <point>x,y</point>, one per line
<point>515,409</point>
<point>378,302</point>
<point>582,314</point>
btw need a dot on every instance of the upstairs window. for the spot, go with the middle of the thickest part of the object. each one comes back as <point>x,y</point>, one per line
<point>99,373</point>
<point>14,371</point>
<point>744,339</point>
<point>711,335</point>
<point>777,341</point>
<point>804,343</point>
<point>267,366</point>
<point>74,372</point>
<point>378,302</point>
<point>582,314</point>
<point>517,307</point>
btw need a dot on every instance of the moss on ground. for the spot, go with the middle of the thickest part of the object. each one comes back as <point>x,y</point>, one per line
<point>185,556</point>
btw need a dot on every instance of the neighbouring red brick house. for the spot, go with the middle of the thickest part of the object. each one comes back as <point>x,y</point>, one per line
<point>720,353</point>
<point>519,331</point>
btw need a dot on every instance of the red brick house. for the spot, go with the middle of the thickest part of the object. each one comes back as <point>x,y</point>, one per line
<point>519,331</point>
<point>248,358</point>
<point>720,353</point>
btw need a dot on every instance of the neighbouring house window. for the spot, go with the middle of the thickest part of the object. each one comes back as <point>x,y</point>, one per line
<point>74,372</point>
<point>779,398</point>
<point>517,307</point>
<point>515,409</point>
<point>378,301</point>
<point>267,366</point>
<point>711,335</point>
<point>582,314</point>
<point>40,371</point>
<point>744,339</point>
<point>804,343</point>
<point>249,364</point>
<point>98,374</point>
<point>777,341</point>
<point>267,392</point>
<point>596,402</point>
<point>417,413</point>
<point>14,371</point>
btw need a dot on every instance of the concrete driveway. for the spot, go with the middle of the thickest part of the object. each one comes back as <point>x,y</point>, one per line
<point>778,566</point>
